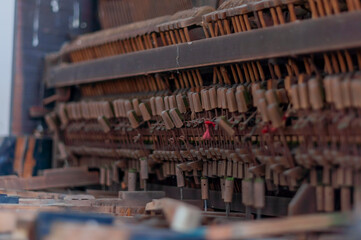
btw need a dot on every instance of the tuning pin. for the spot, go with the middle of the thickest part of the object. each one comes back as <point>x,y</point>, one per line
<point>145,111</point>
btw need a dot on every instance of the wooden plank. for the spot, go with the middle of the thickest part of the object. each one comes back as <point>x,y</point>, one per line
<point>102,194</point>
<point>43,182</point>
<point>276,227</point>
<point>31,194</point>
<point>308,36</point>
<point>114,210</point>
<point>64,171</point>
<point>133,195</point>
<point>44,195</point>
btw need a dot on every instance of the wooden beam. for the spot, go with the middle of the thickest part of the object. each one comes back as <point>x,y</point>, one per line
<point>114,210</point>
<point>57,180</point>
<point>277,227</point>
<point>308,36</point>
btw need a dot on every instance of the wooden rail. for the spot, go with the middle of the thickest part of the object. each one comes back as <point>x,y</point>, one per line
<point>303,37</point>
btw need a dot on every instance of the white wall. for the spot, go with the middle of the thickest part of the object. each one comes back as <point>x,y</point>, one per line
<point>7,11</point>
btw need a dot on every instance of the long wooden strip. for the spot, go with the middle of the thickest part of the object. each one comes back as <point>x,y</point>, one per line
<point>247,46</point>
<point>44,182</point>
<point>275,227</point>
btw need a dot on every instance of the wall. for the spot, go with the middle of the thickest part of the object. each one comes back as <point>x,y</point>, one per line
<point>7,11</point>
<point>42,26</point>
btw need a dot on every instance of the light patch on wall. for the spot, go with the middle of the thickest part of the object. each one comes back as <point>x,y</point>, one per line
<point>6,52</point>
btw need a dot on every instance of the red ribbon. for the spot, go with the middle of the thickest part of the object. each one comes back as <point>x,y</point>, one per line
<point>207,134</point>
